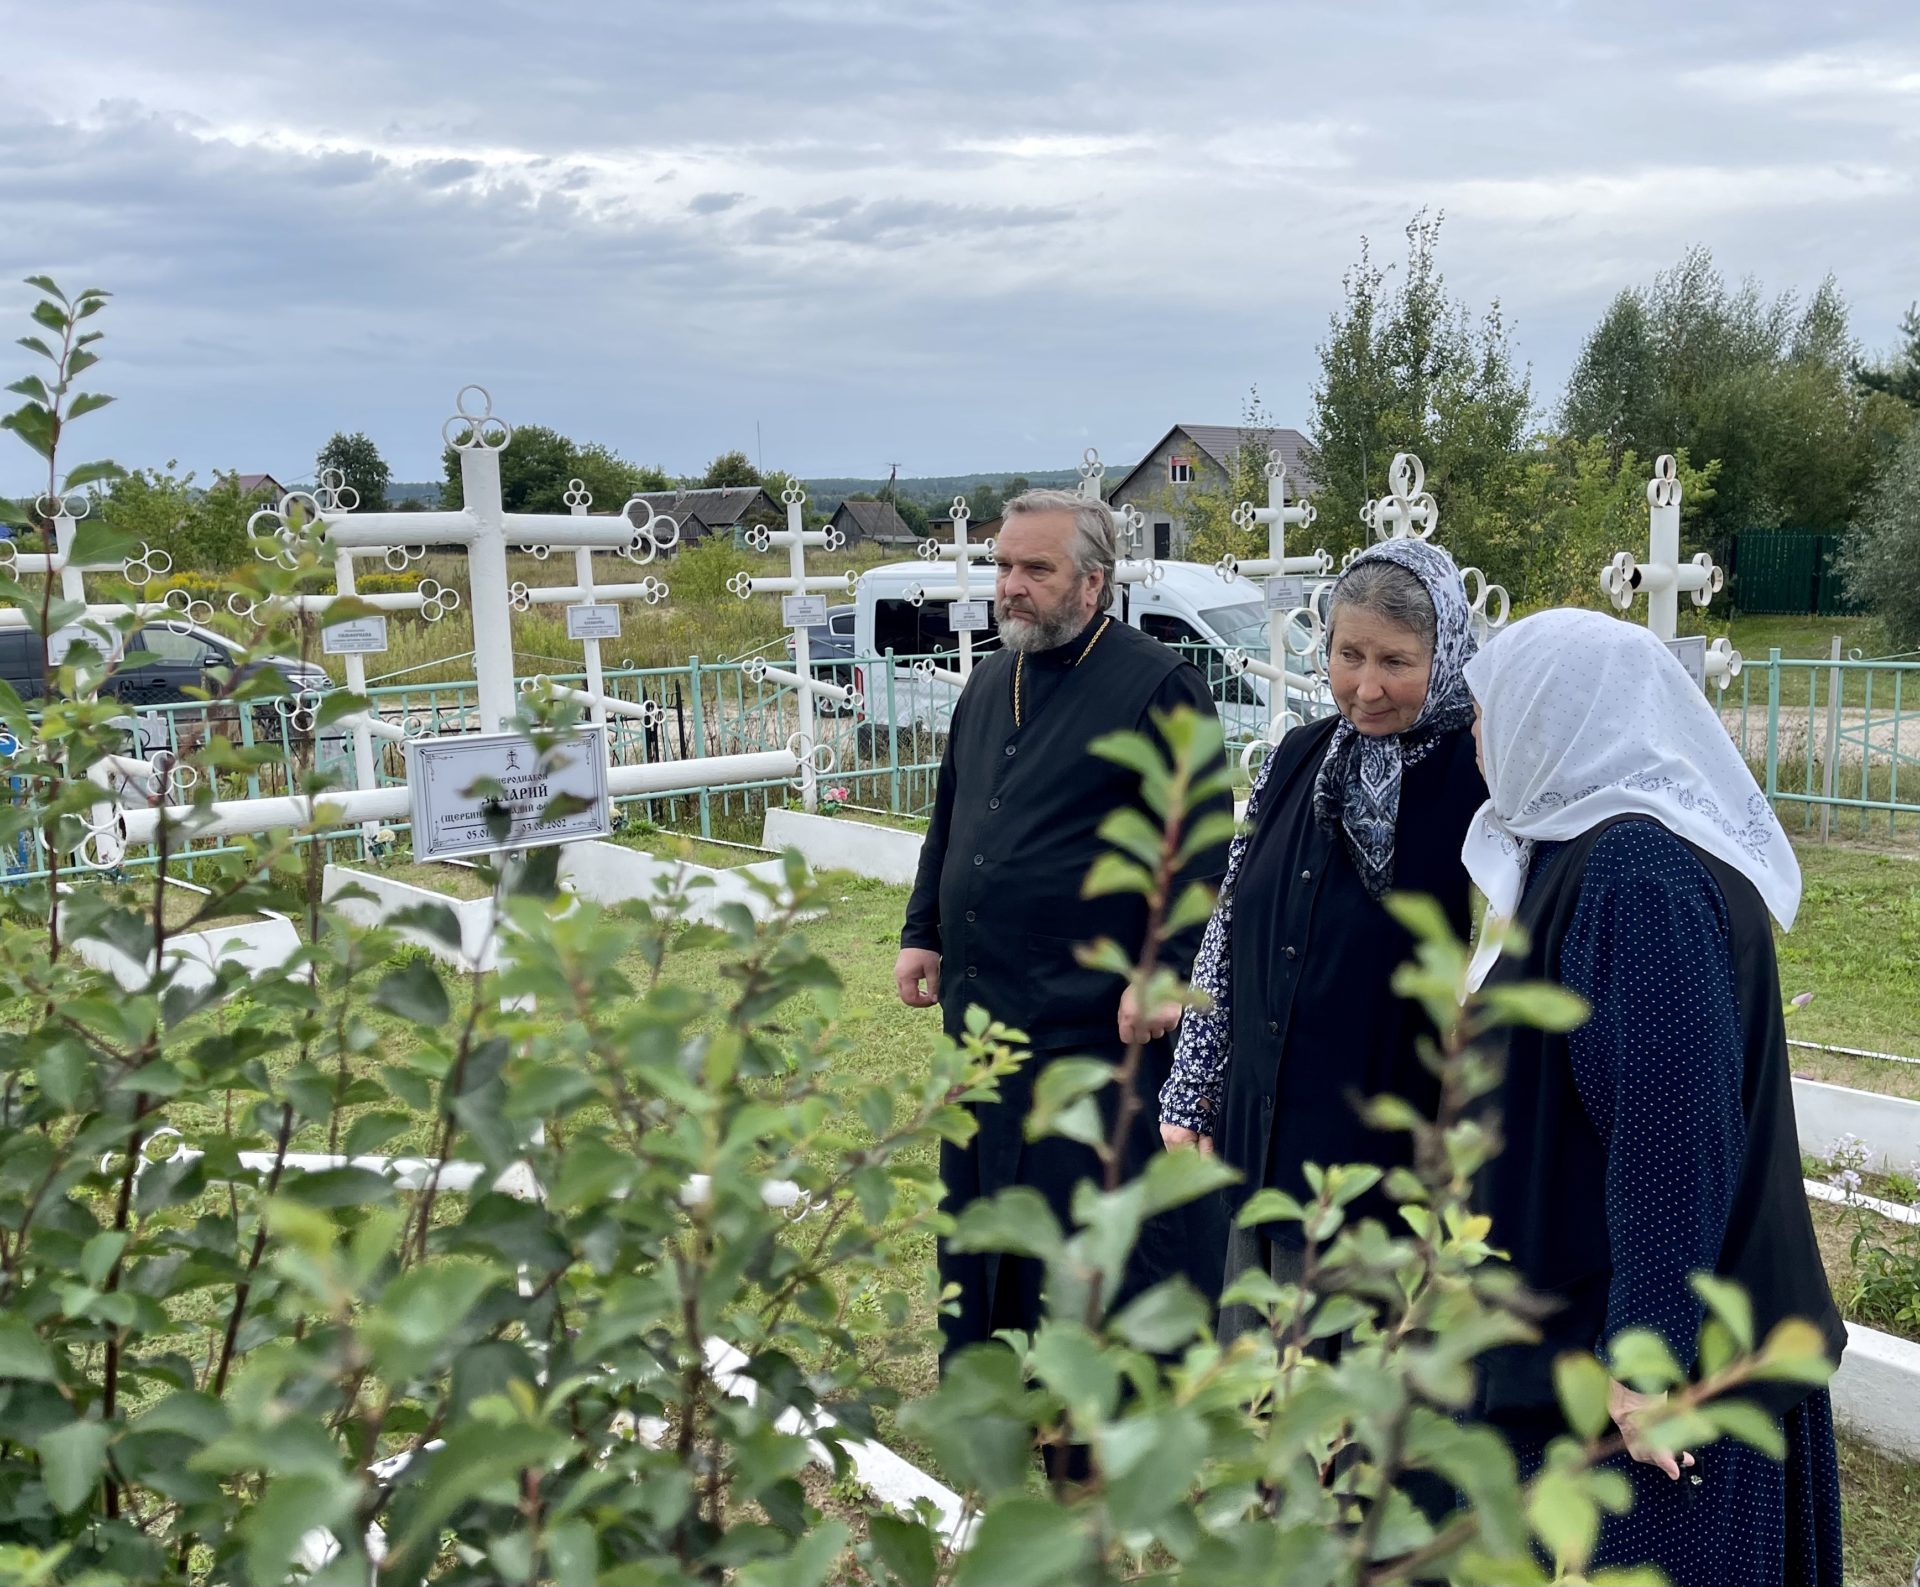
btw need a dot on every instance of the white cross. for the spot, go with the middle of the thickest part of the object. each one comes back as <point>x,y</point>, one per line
<point>962,553</point>
<point>1289,613</point>
<point>1408,512</point>
<point>1663,575</point>
<point>1129,527</point>
<point>815,758</point>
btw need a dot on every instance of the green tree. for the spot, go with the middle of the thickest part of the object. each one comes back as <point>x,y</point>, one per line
<point>912,514</point>
<point>730,469</point>
<point>984,502</point>
<point>1766,387</point>
<point>366,471</point>
<point>539,463</point>
<point>1407,368</point>
<point>1880,559</point>
<point>1899,375</point>
<point>202,530</point>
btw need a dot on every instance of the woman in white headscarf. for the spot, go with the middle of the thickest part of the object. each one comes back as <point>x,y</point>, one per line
<point>1626,835</point>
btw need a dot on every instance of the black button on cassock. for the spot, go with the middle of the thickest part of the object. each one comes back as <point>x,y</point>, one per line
<point>1291,954</point>
<point>971,971</point>
<point>1011,748</point>
<point>979,859</point>
<point>1306,876</point>
<point>993,803</point>
<point>970,915</point>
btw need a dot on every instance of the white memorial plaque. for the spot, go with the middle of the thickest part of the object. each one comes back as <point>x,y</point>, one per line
<point>1286,592</point>
<point>803,611</point>
<point>587,621</point>
<point>357,636</point>
<point>450,815</point>
<point>967,617</point>
<point>1691,653</point>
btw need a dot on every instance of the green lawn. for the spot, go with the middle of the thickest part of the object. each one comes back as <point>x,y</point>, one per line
<point>1856,948</point>
<point>1880,1500</point>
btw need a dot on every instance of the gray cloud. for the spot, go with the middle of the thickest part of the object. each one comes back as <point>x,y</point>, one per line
<point>1140,209</point>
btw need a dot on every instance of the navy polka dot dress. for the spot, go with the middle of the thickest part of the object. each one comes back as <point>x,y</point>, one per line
<point>1658,1069</point>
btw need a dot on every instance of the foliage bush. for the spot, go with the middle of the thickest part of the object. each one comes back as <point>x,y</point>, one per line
<point>1880,560</point>
<point>222,1367</point>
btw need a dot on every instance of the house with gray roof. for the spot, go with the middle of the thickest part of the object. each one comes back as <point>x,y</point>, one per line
<point>1192,459</point>
<point>728,510</point>
<point>874,522</point>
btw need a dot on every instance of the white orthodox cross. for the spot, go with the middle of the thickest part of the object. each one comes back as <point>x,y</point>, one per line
<point>1290,614</point>
<point>815,758</point>
<point>966,602</point>
<point>1663,576</point>
<point>1129,527</point>
<point>1408,512</point>
<point>657,533</point>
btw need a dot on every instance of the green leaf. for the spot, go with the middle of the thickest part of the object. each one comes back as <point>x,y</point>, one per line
<point>1795,1352</point>
<point>1173,1179</point>
<point>33,386</point>
<point>1538,1005</point>
<point>1640,1359</point>
<point>94,474</point>
<point>45,284</point>
<point>33,344</point>
<point>1164,1319</point>
<point>70,1462</point>
<point>1129,830</point>
<point>1192,908</point>
<point>86,402</point>
<point>33,425</point>
<point>61,1069</point>
<point>1565,1517</point>
<point>1269,1206</point>
<point>1017,1220</point>
<point>1023,1542</point>
<point>1069,1361</point>
<point>414,992</point>
<point>1582,1385</point>
<point>99,1254</point>
<point>906,1548</point>
<point>1729,1306</point>
<point>1747,1422</point>
<point>23,1353</point>
<point>292,1506</point>
<point>49,315</point>
<point>1114,873</point>
<point>1422,916</point>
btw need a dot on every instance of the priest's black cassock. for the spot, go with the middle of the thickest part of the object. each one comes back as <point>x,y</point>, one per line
<point>1013,833</point>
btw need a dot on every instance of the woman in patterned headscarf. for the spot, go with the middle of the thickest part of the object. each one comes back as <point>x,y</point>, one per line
<point>1299,954</point>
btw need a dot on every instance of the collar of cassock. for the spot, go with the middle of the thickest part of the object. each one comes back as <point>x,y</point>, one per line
<point>1064,656</point>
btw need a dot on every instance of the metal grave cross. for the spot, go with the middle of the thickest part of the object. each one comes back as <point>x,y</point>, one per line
<point>966,603</point>
<point>803,609</point>
<point>1663,576</point>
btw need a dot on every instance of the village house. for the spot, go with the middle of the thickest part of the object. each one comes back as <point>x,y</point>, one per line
<point>1196,459</point>
<point>728,511</point>
<point>872,523</point>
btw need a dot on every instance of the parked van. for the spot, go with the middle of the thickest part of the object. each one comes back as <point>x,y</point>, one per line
<point>1190,606</point>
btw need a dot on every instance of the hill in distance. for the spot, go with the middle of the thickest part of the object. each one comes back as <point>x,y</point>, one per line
<point>930,490</point>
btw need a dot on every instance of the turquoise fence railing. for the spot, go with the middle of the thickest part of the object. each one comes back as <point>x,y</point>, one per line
<point>1835,744</point>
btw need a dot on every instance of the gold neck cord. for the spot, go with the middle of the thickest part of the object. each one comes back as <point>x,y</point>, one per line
<point>1020,661</point>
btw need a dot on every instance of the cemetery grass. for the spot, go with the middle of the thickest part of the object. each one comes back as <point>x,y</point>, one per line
<point>1856,948</point>
<point>1880,1504</point>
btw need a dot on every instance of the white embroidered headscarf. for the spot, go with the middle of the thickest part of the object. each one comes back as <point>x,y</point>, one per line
<point>1585,718</point>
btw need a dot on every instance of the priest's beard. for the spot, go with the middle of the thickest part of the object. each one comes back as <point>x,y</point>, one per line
<point>1027,627</point>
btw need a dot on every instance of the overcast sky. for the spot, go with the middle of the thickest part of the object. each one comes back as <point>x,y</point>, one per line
<point>949,234</point>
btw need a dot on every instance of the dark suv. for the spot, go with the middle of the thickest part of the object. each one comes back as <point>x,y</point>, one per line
<point>160,667</point>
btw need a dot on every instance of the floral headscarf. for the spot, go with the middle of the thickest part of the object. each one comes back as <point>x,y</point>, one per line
<point>1358,789</point>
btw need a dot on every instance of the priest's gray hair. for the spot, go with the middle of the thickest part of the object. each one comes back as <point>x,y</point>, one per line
<point>1096,537</point>
<point>1391,593</point>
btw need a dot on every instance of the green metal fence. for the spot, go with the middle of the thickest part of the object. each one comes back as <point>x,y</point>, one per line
<point>1788,572</point>
<point>1835,744</point>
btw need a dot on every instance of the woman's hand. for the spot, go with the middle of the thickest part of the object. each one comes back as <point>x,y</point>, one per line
<point>1151,1026</point>
<point>1626,1406</point>
<point>1173,1137</point>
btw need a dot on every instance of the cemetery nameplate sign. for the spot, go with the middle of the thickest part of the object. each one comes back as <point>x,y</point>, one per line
<point>967,617</point>
<point>803,611</point>
<point>591,621</point>
<point>1691,653</point>
<point>1285,592</point>
<point>451,815</point>
<point>357,636</point>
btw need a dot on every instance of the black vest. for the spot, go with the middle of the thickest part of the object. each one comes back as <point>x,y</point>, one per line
<point>1546,1191</point>
<point>1027,808</point>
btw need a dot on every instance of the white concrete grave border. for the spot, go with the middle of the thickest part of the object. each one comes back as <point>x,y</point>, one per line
<point>263,944</point>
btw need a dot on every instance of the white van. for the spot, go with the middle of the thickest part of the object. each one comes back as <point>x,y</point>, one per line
<point>1190,606</point>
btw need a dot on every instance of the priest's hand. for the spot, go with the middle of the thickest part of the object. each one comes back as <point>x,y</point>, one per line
<point>1149,1027</point>
<point>1626,1406</point>
<point>1173,1137</point>
<point>916,975</point>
